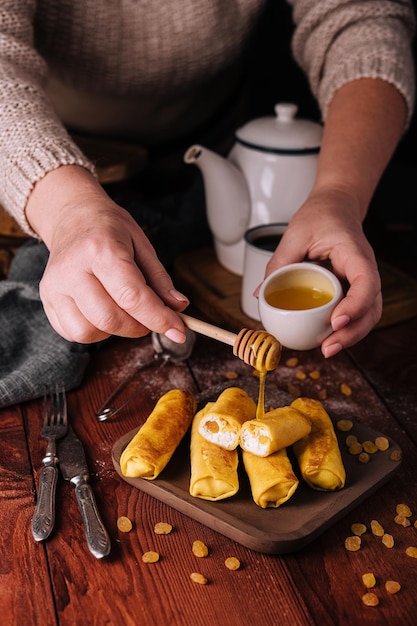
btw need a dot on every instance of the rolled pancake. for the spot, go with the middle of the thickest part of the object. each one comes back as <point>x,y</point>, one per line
<point>318,453</point>
<point>222,422</point>
<point>278,429</point>
<point>151,448</point>
<point>271,478</point>
<point>213,470</point>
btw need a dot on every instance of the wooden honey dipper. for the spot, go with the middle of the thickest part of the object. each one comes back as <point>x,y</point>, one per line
<point>256,348</point>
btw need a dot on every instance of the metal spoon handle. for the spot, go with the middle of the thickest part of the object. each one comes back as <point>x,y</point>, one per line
<point>105,411</point>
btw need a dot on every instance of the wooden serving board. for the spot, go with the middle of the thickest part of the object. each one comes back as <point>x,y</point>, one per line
<point>215,292</point>
<point>290,527</point>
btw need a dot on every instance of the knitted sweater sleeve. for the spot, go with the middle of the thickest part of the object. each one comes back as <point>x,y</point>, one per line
<point>32,139</point>
<point>337,41</point>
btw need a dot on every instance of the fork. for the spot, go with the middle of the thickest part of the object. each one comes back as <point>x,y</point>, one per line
<point>55,425</point>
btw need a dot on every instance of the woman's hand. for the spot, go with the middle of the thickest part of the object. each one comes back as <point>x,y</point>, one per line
<point>364,123</point>
<point>103,276</point>
<point>325,228</point>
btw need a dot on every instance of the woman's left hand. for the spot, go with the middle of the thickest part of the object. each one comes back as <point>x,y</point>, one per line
<point>326,228</point>
<point>364,123</point>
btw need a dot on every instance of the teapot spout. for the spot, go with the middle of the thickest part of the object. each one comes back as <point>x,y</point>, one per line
<point>227,194</point>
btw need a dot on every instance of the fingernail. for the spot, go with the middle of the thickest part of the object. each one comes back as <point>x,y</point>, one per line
<point>340,322</point>
<point>178,295</point>
<point>175,335</point>
<point>331,350</point>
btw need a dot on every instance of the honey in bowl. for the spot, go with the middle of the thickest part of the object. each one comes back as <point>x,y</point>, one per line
<point>312,288</point>
<point>298,297</point>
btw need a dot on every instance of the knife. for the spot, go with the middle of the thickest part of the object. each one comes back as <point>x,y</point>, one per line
<point>73,466</point>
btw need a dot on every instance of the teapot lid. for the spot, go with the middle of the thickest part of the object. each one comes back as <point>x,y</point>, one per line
<point>282,134</point>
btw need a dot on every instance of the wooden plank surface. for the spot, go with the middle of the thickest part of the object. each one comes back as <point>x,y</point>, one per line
<point>319,584</point>
<point>25,586</point>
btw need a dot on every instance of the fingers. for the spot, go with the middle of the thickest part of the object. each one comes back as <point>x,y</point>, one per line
<point>156,275</point>
<point>291,249</point>
<point>85,313</point>
<point>358,312</point>
<point>89,300</point>
<point>135,300</point>
<point>353,332</point>
<point>352,260</point>
<point>66,319</point>
<point>106,280</point>
<point>91,314</point>
<point>142,289</point>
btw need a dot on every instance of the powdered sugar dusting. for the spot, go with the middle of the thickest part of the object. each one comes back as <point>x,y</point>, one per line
<point>125,362</point>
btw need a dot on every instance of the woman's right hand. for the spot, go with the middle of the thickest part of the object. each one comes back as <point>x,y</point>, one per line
<point>103,277</point>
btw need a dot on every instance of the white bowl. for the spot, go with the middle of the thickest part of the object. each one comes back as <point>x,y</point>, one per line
<point>299,328</point>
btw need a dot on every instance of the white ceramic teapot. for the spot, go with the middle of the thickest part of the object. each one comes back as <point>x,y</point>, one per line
<point>265,179</point>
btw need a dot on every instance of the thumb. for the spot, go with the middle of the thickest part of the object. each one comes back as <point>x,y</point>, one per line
<point>289,250</point>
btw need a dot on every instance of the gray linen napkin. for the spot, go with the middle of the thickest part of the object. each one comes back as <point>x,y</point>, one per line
<point>33,357</point>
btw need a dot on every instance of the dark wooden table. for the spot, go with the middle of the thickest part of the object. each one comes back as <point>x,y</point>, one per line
<point>59,582</point>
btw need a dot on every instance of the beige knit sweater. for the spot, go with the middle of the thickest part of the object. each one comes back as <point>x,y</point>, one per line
<point>146,69</point>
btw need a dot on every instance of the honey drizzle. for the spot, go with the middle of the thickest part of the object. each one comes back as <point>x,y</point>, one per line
<point>260,408</point>
<point>266,354</point>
